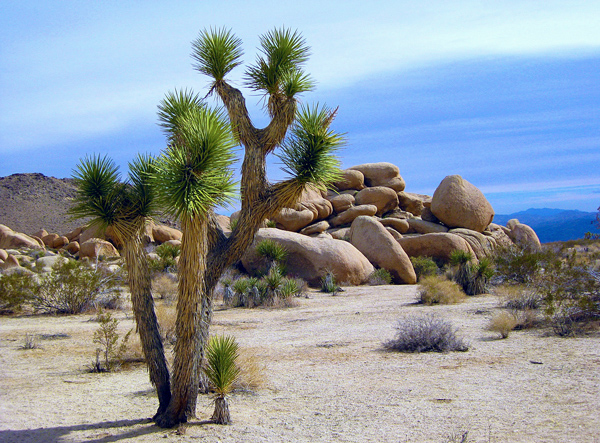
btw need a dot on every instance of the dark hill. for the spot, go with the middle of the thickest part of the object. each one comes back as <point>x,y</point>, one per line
<point>554,224</point>
<point>29,202</point>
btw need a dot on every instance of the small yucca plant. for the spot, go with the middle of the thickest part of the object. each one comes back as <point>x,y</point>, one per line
<point>222,372</point>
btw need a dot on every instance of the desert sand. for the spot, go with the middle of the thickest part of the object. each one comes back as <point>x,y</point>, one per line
<point>326,377</point>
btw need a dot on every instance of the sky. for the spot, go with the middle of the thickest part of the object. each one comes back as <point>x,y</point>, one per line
<point>504,93</point>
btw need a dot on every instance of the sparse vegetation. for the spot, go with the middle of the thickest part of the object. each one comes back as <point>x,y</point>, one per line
<point>271,290</point>
<point>424,267</point>
<point>503,323</point>
<point>15,291</point>
<point>328,283</point>
<point>165,285</point>
<point>436,289</point>
<point>109,354</point>
<point>167,254</point>
<point>426,333</point>
<point>30,342</point>
<point>380,276</point>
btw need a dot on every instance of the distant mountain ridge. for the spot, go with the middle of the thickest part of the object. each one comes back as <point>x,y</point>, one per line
<point>554,224</point>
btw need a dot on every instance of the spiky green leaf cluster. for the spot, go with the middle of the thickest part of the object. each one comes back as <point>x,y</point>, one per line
<point>175,105</point>
<point>309,152</point>
<point>221,368</point>
<point>193,175</point>
<point>217,52</point>
<point>278,69</point>
<point>102,197</point>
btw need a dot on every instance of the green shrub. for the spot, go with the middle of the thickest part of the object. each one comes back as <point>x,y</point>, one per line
<point>437,289</point>
<point>380,276</point>
<point>519,265</point>
<point>222,372</point>
<point>273,253</point>
<point>425,334</point>
<point>107,337</point>
<point>16,290</point>
<point>424,267</point>
<point>328,283</point>
<point>167,254</point>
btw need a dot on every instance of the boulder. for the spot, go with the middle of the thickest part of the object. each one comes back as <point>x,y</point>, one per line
<point>437,245</point>
<point>173,243</point>
<point>339,233</point>
<point>74,234</point>
<point>341,202</point>
<point>224,223</point>
<point>311,258</point>
<point>381,174</point>
<point>92,231</point>
<point>293,220</point>
<point>49,238</point>
<point>427,215</point>
<point>313,200</point>
<point>413,203</point>
<point>372,239</point>
<point>398,224</point>
<point>3,254</point>
<point>424,227</point>
<point>48,262</point>
<point>315,228</point>
<point>459,204</point>
<point>395,234</point>
<point>162,233</point>
<point>349,215</point>
<point>482,245</point>
<point>59,242</point>
<point>499,234</point>
<point>384,198</point>
<point>10,262</point>
<point>11,239</point>
<point>72,247</point>
<point>351,179</point>
<point>96,248</point>
<point>41,233</point>
<point>523,235</point>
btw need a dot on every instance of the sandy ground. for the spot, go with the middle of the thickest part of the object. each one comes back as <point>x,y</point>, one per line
<point>327,378</point>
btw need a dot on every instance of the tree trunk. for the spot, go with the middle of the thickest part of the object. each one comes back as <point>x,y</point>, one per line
<point>140,287</point>
<point>192,267</point>
<point>221,414</point>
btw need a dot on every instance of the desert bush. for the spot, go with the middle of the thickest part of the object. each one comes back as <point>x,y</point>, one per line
<point>167,254</point>
<point>107,337</point>
<point>519,297</point>
<point>165,285</point>
<point>71,288</point>
<point>481,273</point>
<point>424,267</point>
<point>519,265</point>
<point>426,333</point>
<point>502,323</point>
<point>328,283</point>
<point>437,289</point>
<point>271,290</point>
<point>16,290</point>
<point>380,276</point>
<point>30,342</point>
<point>252,372</point>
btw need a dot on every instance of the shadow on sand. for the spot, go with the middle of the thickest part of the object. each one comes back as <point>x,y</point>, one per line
<point>104,435</point>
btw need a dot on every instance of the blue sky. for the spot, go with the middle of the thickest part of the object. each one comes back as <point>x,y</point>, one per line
<point>504,93</point>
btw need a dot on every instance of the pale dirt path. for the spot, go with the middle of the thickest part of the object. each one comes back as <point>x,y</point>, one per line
<point>328,379</point>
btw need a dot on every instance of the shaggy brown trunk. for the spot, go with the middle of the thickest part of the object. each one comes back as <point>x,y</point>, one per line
<point>140,287</point>
<point>221,414</point>
<point>192,267</point>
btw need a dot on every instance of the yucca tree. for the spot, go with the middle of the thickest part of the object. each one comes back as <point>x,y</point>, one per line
<point>125,208</point>
<point>308,155</point>
<point>192,176</point>
<point>222,372</point>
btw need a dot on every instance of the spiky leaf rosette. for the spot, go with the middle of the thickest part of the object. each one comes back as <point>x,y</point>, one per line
<point>193,175</point>
<point>141,171</point>
<point>98,190</point>
<point>308,154</point>
<point>217,52</point>
<point>278,69</point>
<point>221,368</point>
<point>173,107</point>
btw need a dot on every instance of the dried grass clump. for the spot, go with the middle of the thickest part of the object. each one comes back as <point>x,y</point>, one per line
<point>502,323</point>
<point>426,333</point>
<point>167,317</point>
<point>519,297</point>
<point>252,372</point>
<point>438,290</point>
<point>165,285</point>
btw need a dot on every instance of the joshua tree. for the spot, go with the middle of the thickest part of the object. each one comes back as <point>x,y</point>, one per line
<point>192,176</point>
<point>222,372</point>
<point>125,208</point>
<point>307,153</point>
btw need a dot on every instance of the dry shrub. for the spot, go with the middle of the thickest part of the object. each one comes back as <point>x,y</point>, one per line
<point>502,323</point>
<point>437,289</point>
<point>165,286</point>
<point>425,334</point>
<point>519,297</point>
<point>167,318</point>
<point>252,372</point>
